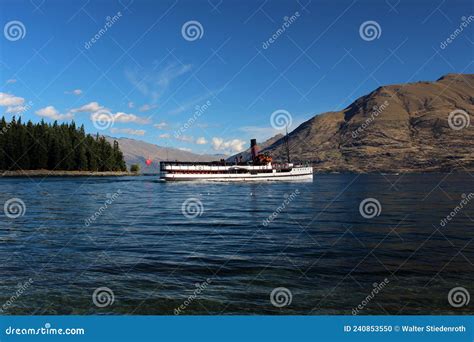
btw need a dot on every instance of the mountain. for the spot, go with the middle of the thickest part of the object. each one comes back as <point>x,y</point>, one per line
<point>397,128</point>
<point>137,152</point>
<point>246,154</point>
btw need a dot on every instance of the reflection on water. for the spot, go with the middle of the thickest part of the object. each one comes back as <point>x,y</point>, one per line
<point>317,245</point>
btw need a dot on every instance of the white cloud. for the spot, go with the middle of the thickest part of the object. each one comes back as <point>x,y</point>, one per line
<point>97,111</point>
<point>147,107</point>
<point>11,80</point>
<point>88,108</point>
<point>185,149</point>
<point>14,104</point>
<point>201,141</point>
<point>74,92</point>
<point>234,145</point>
<point>124,117</point>
<point>53,114</point>
<point>164,136</point>
<point>105,115</point>
<point>10,100</point>
<point>130,131</point>
<point>161,125</point>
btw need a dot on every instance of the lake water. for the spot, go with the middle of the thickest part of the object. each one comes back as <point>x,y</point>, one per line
<point>152,255</point>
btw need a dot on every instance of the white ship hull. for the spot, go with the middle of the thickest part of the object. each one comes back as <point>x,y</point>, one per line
<point>229,174</point>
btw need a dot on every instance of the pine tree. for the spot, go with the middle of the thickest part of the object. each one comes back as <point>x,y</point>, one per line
<point>118,158</point>
<point>9,149</point>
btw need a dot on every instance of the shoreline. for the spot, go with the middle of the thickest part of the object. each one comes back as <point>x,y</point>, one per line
<point>53,173</point>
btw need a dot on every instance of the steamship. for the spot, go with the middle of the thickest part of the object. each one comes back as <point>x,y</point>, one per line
<point>260,168</point>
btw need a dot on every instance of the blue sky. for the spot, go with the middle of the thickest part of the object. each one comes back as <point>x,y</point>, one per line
<point>144,78</point>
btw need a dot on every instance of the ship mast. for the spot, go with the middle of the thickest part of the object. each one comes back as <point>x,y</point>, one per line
<point>287,146</point>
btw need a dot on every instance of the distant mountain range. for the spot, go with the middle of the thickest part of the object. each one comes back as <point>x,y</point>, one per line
<point>411,127</point>
<point>137,152</point>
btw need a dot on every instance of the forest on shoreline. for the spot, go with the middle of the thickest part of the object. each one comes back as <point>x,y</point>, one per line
<point>62,147</point>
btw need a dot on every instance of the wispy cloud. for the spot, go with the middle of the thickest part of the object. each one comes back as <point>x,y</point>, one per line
<point>172,71</point>
<point>147,107</point>
<point>191,105</point>
<point>161,125</point>
<point>76,92</point>
<point>11,81</point>
<point>164,136</point>
<point>185,138</point>
<point>152,83</point>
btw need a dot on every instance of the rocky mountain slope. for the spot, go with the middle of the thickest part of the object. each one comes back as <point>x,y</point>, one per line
<point>419,126</point>
<point>137,152</point>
